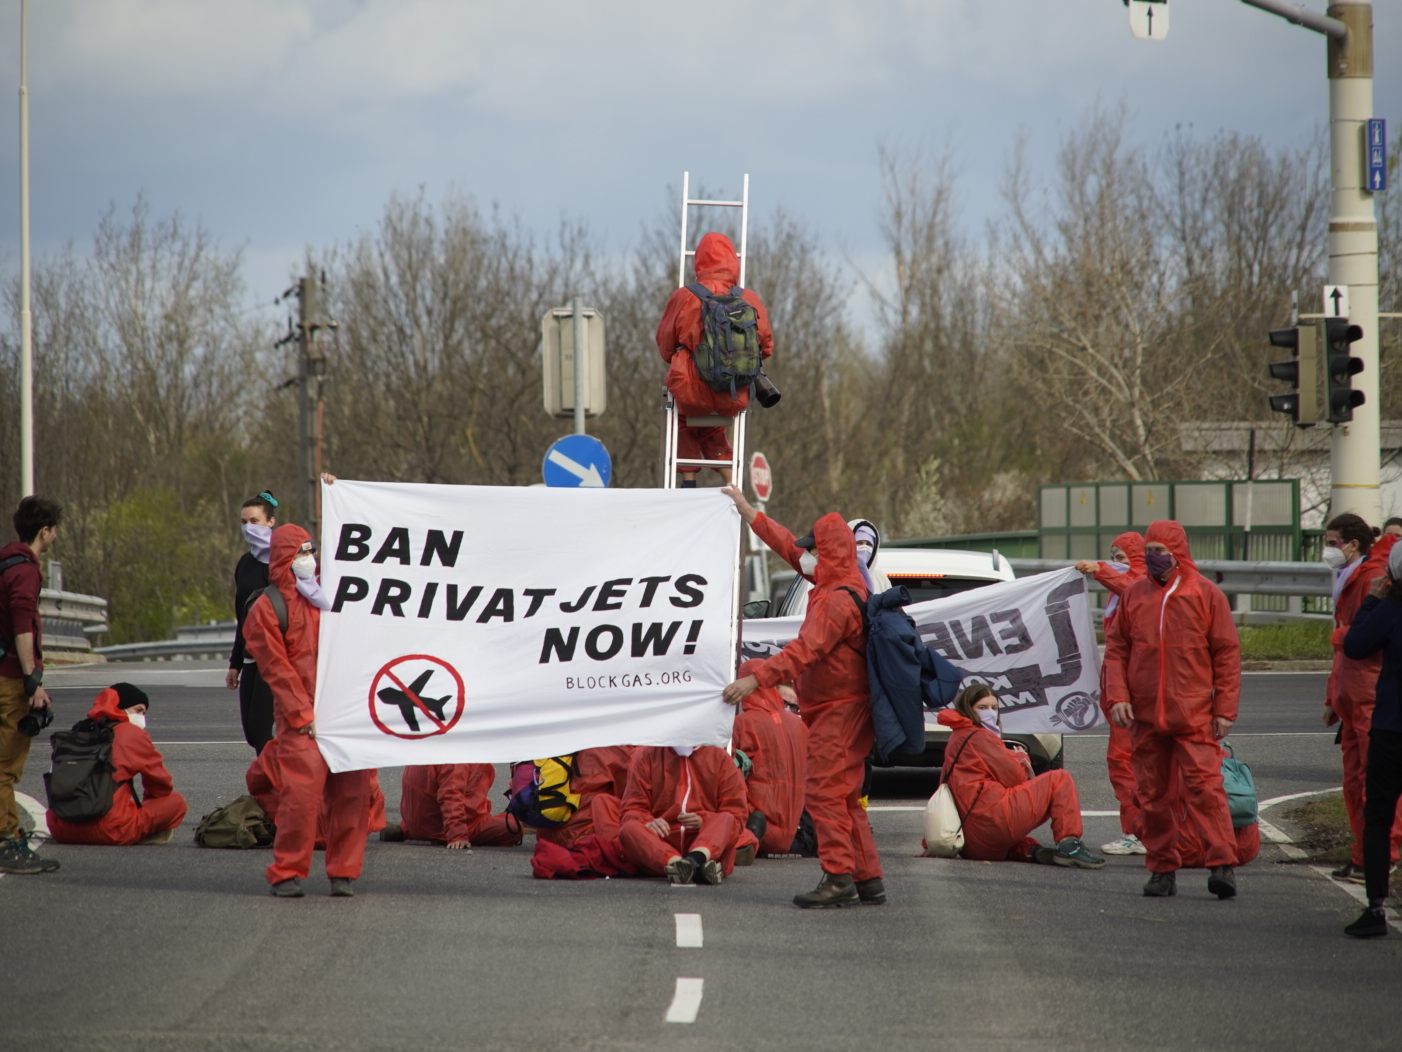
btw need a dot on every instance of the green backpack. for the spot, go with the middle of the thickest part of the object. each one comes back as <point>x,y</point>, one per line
<point>1240,787</point>
<point>727,356</point>
<point>240,823</point>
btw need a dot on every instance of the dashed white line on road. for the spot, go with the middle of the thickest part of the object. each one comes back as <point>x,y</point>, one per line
<point>689,930</point>
<point>686,1002</point>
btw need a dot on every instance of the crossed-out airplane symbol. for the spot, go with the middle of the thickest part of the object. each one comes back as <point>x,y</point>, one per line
<point>412,701</point>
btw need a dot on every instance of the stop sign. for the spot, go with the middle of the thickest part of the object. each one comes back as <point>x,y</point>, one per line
<point>760,477</point>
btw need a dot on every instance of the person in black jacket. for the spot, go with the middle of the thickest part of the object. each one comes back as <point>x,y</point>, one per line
<point>257,518</point>
<point>1378,626</point>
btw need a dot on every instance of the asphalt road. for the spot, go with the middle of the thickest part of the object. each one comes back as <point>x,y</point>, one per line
<point>174,947</point>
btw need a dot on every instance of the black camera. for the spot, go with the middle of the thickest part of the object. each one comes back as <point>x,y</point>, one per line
<point>35,720</point>
<point>766,392</point>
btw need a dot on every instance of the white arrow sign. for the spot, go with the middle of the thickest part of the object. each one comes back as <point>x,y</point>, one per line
<point>1148,19</point>
<point>587,476</point>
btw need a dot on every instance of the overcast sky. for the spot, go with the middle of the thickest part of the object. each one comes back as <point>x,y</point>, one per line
<point>286,123</point>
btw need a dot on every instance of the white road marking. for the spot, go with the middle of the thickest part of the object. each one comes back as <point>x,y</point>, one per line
<point>689,930</point>
<point>1296,796</point>
<point>686,1002</point>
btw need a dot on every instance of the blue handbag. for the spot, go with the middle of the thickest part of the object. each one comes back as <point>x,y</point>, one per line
<point>1240,787</point>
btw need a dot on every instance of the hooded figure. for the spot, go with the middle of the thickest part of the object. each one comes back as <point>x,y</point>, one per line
<point>450,804</point>
<point>133,817</point>
<point>602,775</point>
<point>1117,754</point>
<point>827,664</point>
<point>868,539</point>
<point>292,762</point>
<point>717,267</point>
<point>1173,676</point>
<point>776,741</point>
<point>683,810</point>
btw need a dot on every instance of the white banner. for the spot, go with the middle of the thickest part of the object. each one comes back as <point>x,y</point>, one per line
<point>490,624</point>
<point>1031,640</point>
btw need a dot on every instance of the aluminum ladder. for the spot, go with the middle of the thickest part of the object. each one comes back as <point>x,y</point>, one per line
<point>670,461</point>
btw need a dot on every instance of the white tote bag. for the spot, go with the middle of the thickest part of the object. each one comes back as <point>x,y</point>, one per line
<point>944,826</point>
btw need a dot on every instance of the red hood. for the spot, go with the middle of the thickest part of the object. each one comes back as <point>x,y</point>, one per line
<point>287,542</point>
<point>955,720</point>
<point>108,703</point>
<point>761,699</point>
<point>1132,544</point>
<point>716,260</point>
<point>1172,536</point>
<point>837,554</point>
<point>1376,563</point>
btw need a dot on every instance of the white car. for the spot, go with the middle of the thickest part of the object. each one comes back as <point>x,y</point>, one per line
<point>928,573</point>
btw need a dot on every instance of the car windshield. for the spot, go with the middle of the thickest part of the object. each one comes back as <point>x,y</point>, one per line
<point>922,587</point>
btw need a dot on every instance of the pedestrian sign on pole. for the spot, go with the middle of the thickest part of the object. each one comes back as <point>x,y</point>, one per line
<point>1375,155</point>
<point>1148,19</point>
<point>577,460</point>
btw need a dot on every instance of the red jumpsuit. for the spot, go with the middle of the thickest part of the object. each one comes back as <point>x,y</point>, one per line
<point>292,762</point>
<point>601,776</point>
<point>449,802</point>
<point>1351,692</point>
<point>828,666</point>
<point>1001,801</point>
<point>776,741</point>
<point>1172,653</point>
<point>1117,754</point>
<point>718,268</point>
<point>129,821</point>
<point>662,784</point>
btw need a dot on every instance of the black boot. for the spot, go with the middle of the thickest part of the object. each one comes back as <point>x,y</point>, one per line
<point>1371,923</point>
<point>1221,881</point>
<point>871,892</point>
<point>835,889</point>
<point>1161,885</point>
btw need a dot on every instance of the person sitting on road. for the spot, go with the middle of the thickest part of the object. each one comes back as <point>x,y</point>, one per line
<point>776,741</point>
<point>682,813</point>
<point>601,776</point>
<point>999,798</point>
<point>157,810</point>
<point>449,804</point>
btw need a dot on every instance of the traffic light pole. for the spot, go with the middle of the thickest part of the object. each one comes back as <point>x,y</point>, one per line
<point>1355,457</point>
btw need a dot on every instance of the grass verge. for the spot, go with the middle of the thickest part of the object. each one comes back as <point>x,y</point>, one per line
<point>1302,640</point>
<point>1324,836</point>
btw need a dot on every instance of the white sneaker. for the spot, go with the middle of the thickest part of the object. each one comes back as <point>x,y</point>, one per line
<point>1127,845</point>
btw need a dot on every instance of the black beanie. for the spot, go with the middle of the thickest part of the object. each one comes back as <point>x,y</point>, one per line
<point>130,695</point>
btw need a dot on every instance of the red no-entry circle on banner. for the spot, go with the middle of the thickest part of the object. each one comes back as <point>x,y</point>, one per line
<point>417,696</point>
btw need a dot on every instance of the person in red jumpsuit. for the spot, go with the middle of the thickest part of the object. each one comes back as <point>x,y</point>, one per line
<point>999,798</point>
<point>717,267</point>
<point>776,741</point>
<point>449,803</point>
<point>1173,677</point>
<point>292,762</point>
<point>600,780</point>
<point>683,810</point>
<point>827,665</point>
<point>1126,566</point>
<point>152,814</point>
<point>1357,561</point>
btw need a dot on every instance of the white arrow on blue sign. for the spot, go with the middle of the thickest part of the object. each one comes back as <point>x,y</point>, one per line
<point>577,460</point>
<point>1375,155</point>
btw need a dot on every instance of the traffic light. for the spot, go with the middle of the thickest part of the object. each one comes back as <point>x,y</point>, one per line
<point>1301,371</point>
<point>1340,367</point>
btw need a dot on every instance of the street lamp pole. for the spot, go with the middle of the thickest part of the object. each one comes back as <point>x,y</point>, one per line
<point>1355,456</point>
<point>26,323</point>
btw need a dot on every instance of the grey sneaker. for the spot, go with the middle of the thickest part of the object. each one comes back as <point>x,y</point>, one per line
<point>680,871</point>
<point>342,887</point>
<point>1161,885</point>
<point>710,872</point>
<point>1071,851</point>
<point>291,888</point>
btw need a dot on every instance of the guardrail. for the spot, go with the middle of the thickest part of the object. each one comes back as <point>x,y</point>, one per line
<point>196,642</point>
<point>71,622</point>
<point>1241,581</point>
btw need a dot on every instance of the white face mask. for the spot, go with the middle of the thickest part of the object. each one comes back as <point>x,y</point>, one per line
<point>807,564</point>
<point>989,718</point>
<point>1334,558</point>
<point>304,566</point>
<point>137,719</point>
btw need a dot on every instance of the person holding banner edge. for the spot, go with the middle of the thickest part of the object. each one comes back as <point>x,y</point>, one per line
<point>827,664</point>
<point>1173,677</point>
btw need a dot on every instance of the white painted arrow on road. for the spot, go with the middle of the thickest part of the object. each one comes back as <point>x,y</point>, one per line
<point>588,476</point>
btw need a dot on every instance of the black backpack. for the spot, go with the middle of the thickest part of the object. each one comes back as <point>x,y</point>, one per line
<point>79,783</point>
<point>727,356</point>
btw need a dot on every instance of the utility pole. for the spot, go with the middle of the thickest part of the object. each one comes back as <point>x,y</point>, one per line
<point>1355,458</point>
<point>26,321</point>
<point>310,378</point>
